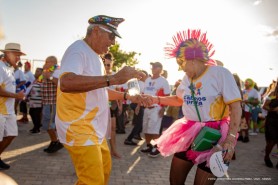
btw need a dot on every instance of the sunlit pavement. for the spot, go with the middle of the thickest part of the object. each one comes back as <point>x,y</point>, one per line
<point>31,166</point>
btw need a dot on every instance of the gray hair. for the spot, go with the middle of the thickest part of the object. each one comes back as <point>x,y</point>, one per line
<point>90,29</point>
<point>53,58</point>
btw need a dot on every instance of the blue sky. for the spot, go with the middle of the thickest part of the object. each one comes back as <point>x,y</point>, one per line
<point>242,31</point>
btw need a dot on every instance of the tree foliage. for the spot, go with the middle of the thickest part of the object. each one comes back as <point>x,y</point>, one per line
<point>122,57</point>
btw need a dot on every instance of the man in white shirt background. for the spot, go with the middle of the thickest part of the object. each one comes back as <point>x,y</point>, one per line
<point>29,80</point>
<point>156,85</point>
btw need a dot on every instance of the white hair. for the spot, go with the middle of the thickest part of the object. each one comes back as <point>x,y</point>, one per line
<point>90,29</point>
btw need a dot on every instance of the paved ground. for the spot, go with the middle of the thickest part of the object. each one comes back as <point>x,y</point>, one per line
<point>31,166</point>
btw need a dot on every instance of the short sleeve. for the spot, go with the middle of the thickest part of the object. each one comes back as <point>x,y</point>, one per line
<point>228,87</point>
<point>21,76</point>
<point>31,77</point>
<point>1,75</point>
<point>72,62</point>
<point>181,89</point>
<point>56,73</point>
<point>166,87</point>
<point>257,95</point>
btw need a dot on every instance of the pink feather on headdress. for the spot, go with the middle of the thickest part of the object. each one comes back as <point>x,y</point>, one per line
<point>191,50</point>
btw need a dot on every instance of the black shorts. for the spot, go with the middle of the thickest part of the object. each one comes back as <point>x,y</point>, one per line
<point>113,113</point>
<point>202,166</point>
<point>271,129</point>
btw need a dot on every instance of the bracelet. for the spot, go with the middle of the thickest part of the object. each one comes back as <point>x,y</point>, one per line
<point>158,99</point>
<point>107,80</point>
<point>232,135</point>
<point>125,93</point>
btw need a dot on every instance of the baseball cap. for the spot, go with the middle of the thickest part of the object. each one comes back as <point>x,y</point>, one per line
<point>157,64</point>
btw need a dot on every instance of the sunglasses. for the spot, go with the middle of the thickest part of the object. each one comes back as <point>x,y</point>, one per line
<point>107,65</point>
<point>111,35</point>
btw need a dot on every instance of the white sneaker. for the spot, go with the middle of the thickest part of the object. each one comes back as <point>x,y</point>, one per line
<point>253,133</point>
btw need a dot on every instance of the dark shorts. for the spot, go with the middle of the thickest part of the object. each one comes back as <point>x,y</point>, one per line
<point>113,113</point>
<point>23,107</point>
<point>271,129</point>
<point>202,166</point>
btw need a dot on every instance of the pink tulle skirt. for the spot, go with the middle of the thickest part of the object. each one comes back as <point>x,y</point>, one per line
<point>180,135</point>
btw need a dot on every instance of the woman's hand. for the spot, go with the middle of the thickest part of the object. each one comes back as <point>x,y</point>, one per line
<point>145,101</point>
<point>228,148</point>
<point>151,99</point>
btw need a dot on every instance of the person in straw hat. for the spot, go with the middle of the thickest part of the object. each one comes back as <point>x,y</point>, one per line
<point>8,124</point>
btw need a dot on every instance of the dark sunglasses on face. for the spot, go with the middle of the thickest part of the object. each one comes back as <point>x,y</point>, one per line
<point>108,65</point>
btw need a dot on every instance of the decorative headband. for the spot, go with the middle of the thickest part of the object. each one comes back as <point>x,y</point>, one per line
<point>190,45</point>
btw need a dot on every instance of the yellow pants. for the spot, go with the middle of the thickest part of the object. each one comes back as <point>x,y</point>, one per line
<point>92,163</point>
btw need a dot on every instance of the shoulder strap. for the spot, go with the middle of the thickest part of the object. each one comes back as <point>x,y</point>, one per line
<point>194,101</point>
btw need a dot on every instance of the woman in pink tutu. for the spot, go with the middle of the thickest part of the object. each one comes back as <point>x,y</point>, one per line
<point>209,97</point>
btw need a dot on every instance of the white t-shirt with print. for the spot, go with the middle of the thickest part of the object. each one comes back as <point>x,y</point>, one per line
<point>156,86</point>
<point>214,89</point>
<point>82,118</point>
<point>250,94</point>
<point>7,82</point>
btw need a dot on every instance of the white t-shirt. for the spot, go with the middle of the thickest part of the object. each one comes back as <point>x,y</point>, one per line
<point>19,77</point>
<point>248,95</point>
<point>29,76</point>
<point>157,87</point>
<point>142,86</point>
<point>7,82</point>
<point>82,118</point>
<point>56,73</point>
<point>212,90</point>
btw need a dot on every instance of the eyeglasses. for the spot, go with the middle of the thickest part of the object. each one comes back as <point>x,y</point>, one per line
<point>108,65</point>
<point>111,35</point>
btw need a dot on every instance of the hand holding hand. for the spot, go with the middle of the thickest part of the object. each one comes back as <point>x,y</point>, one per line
<point>141,100</point>
<point>152,99</point>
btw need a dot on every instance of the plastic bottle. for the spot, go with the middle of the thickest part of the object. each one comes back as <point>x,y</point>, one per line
<point>133,87</point>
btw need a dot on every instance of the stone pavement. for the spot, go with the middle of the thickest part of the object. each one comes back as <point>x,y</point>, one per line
<point>31,166</point>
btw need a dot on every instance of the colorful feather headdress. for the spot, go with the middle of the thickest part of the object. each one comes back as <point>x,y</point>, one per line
<point>190,45</point>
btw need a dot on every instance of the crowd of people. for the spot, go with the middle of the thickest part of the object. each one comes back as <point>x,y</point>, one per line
<point>83,103</point>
